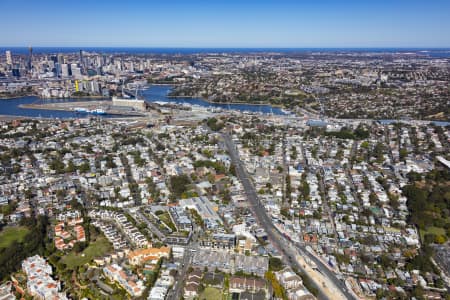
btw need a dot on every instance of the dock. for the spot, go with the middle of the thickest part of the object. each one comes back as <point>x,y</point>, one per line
<point>104,105</point>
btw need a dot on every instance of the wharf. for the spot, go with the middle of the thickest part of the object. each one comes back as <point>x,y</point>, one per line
<point>88,105</point>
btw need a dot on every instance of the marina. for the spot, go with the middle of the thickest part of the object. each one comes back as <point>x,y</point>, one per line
<point>32,106</point>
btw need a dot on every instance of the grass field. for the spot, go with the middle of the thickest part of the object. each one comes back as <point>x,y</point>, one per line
<point>432,229</point>
<point>167,220</point>
<point>95,249</point>
<point>10,234</point>
<point>211,294</point>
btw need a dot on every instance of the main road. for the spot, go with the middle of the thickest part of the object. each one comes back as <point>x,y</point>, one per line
<point>286,246</point>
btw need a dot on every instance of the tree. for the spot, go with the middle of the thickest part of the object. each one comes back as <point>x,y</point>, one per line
<point>414,176</point>
<point>79,247</point>
<point>393,201</point>
<point>278,289</point>
<point>440,239</point>
<point>214,124</point>
<point>403,153</point>
<point>316,215</point>
<point>70,168</point>
<point>417,292</point>
<point>57,165</point>
<point>179,184</point>
<point>232,170</point>
<point>84,167</point>
<point>417,203</point>
<point>9,208</point>
<point>386,261</point>
<point>365,145</point>
<point>217,166</point>
<point>361,133</point>
<point>34,242</point>
<point>226,196</point>
<point>373,198</point>
<point>304,189</point>
<point>201,287</point>
<point>294,153</point>
<point>378,151</point>
<point>275,264</point>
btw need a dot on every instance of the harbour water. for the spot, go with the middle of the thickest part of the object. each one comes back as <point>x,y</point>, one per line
<point>10,107</point>
<point>159,93</point>
<point>154,93</point>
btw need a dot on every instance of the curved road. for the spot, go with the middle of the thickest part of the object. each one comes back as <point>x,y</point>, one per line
<point>272,231</point>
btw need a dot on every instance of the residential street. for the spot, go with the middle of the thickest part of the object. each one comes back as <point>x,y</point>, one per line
<point>287,251</point>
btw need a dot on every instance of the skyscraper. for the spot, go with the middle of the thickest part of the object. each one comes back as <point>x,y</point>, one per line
<point>61,59</point>
<point>81,60</point>
<point>30,58</point>
<point>58,69</point>
<point>16,71</point>
<point>9,58</point>
<point>76,71</point>
<point>64,70</point>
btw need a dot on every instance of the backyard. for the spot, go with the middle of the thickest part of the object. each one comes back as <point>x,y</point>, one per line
<point>211,293</point>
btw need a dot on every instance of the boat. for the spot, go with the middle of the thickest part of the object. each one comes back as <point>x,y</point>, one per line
<point>215,109</point>
<point>98,111</point>
<point>160,102</point>
<point>81,109</point>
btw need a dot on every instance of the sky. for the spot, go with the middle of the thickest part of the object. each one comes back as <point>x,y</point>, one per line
<point>231,23</point>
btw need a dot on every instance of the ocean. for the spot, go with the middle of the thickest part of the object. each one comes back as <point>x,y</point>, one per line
<point>430,52</point>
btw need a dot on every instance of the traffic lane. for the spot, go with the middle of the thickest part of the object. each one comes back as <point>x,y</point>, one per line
<point>263,219</point>
<point>266,222</point>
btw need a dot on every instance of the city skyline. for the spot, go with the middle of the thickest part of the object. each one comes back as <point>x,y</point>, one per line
<point>199,24</point>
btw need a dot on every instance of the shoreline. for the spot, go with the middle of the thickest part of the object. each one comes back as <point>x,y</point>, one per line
<point>226,103</point>
<point>80,97</point>
<point>13,117</point>
<point>53,98</point>
<point>212,102</point>
<point>16,97</point>
<point>163,84</point>
<point>40,107</point>
<point>68,109</point>
<point>150,101</point>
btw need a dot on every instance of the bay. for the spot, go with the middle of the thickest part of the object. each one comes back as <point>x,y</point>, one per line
<point>154,93</point>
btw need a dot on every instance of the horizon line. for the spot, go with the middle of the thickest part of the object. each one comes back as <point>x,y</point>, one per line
<point>237,47</point>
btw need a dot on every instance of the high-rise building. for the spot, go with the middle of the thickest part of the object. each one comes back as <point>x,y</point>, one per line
<point>58,69</point>
<point>16,71</point>
<point>61,59</point>
<point>8,58</point>
<point>64,70</point>
<point>76,71</point>
<point>81,60</point>
<point>95,87</point>
<point>98,61</point>
<point>30,58</point>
